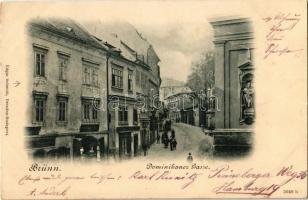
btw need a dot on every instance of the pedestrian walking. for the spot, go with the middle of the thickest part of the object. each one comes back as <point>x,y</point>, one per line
<point>158,138</point>
<point>145,149</point>
<point>174,144</point>
<point>171,144</point>
<point>189,157</point>
<point>165,139</point>
<point>162,138</point>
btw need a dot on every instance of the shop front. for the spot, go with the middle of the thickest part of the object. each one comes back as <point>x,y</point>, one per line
<point>128,141</point>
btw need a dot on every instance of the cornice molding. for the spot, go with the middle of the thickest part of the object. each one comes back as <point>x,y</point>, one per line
<point>228,21</point>
<point>89,61</point>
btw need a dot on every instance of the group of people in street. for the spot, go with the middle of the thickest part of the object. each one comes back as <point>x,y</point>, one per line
<point>166,139</point>
<point>169,141</point>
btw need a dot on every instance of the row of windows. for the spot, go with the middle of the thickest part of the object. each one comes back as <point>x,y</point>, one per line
<point>123,115</point>
<point>40,64</point>
<point>90,73</point>
<point>89,114</point>
<point>117,79</point>
<point>90,111</point>
<point>39,110</point>
<point>62,110</point>
<point>90,76</point>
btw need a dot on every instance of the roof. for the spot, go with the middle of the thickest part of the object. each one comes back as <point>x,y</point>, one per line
<point>121,35</point>
<point>67,28</point>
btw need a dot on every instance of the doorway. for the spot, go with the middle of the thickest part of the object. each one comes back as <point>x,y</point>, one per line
<point>125,144</point>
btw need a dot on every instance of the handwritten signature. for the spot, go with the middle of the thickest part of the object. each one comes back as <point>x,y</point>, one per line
<point>280,25</point>
<point>253,186</point>
<point>249,181</point>
<point>50,191</point>
<point>188,177</point>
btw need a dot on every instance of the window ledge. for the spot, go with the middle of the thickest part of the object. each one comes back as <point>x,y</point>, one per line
<point>89,122</point>
<point>61,123</point>
<point>123,123</point>
<point>117,88</point>
<point>40,77</point>
<point>38,123</point>
<point>91,85</point>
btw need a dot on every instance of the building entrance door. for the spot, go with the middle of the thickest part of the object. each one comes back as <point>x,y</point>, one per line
<point>125,144</point>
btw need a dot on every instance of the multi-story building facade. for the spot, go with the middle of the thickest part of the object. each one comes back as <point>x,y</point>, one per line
<point>90,96</point>
<point>133,82</point>
<point>67,103</point>
<point>233,118</point>
<point>184,107</point>
<point>124,124</point>
<point>173,105</point>
<point>234,73</point>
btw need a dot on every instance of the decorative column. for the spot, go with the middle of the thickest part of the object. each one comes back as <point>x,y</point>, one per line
<point>220,83</point>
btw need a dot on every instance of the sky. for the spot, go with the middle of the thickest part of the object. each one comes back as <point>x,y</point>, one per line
<point>177,45</point>
<point>178,30</point>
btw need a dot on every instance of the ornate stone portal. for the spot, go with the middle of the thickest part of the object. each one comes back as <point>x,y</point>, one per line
<point>233,88</point>
<point>234,73</point>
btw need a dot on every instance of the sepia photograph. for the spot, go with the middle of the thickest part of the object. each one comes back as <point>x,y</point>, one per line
<point>111,91</point>
<point>154,99</point>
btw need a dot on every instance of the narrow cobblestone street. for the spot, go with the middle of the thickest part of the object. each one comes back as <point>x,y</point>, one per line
<point>189,139</point>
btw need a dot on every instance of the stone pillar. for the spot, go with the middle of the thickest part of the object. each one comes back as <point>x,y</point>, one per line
<point>219,83</point>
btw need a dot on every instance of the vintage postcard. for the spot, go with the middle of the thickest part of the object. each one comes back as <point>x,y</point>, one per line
<point>153,99</point>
